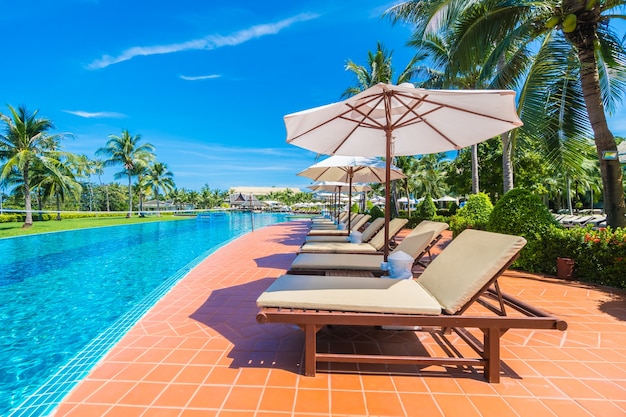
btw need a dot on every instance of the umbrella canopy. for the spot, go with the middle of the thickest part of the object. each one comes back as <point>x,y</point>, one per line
<point>446,198</point>
<point>345,168</point>
<point>351,169</point>
<point>388,120</point>
<point>335,185</point>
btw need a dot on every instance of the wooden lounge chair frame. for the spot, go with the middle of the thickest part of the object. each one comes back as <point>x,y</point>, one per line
<point>346,247</point>
<point>492,328</point>
<point>372,272</point>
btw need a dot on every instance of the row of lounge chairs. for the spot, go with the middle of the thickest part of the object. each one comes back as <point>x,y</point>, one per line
<point>447,297</point>
<point>577,220</point>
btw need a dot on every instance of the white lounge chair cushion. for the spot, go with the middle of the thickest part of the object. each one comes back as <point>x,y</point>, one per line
<point>350,261</point>
<point>372,229</point>
<point>466,265</point>
<point>377,295</point>
<point>413,244</point>
<point>376,244</point>
<point>420,237</point>
<point>338,239</point>
<point>338,247</point>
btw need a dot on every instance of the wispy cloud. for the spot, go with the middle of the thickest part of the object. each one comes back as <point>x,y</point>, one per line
<point>199,77</point>
<point>207,43</point>
<point>96,115</point>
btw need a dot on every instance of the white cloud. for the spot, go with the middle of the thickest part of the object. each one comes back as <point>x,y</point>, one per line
<point>96,115</point>
<point>199,77</point>
<point>207,43</point>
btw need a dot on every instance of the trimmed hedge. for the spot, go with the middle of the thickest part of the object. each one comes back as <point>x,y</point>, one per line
<point>376,212</point>
<point>521,213</point>
<point>473,215</point>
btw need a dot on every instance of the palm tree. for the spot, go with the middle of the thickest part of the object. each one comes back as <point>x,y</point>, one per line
<point>408,166</point>
<point>125,150</point>
<point>98,169</point>
<point>159,178</point>
<point>25,143</point>
<point>379,69</point>
<point>60,184</point>
<point>543,47</point>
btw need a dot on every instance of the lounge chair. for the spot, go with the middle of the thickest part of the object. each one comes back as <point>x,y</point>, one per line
<point>370,231</point>
<point>357,224</point>
<point>333,225</point>
<point>416,244</point>
<point>375,244</point>
<point>344,235</point>
<point>464,272</point>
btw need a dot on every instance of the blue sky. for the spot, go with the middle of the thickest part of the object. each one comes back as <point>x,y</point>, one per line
<point>206,82</point>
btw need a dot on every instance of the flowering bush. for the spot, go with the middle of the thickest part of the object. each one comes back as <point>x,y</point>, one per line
<point>599,255</point>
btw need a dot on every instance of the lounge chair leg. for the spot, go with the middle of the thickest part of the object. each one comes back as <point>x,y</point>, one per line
<point>310,349</point>
<point>492,354</point>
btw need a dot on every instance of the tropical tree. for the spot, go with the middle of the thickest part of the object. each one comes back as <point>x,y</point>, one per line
<point>98,169</point>
<point>565,47</point>
<point>408,166</point>
<point>430,177</point>
<point>159,178</point>
<point>25,142</point>
<point>379,69</point>
<point>126,150</point>
<point>60,184</point>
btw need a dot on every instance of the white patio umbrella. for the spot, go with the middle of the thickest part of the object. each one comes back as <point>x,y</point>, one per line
<point>334,185</point>
<point>351,169</point>
<point>337,186</point>
<point>388,120</point>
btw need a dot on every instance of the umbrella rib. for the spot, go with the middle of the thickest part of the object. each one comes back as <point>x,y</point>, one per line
<point>357,122</point>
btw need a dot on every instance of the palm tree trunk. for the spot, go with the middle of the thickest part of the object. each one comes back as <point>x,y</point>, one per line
<point>568,194</point>
<point>475,177</point>
<point>408,199</point>
<point>507,166</point>
<point>611,172</point>
<point>28,219</point>
<point>130,197</point>
<point>58,207</point>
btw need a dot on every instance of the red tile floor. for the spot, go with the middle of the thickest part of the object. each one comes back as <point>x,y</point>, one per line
<point>200,352</point>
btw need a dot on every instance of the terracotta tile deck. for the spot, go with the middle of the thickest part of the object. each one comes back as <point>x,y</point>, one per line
<point>200,352</point>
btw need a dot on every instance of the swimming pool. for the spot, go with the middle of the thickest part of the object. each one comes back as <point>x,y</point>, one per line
<point>67,297</point>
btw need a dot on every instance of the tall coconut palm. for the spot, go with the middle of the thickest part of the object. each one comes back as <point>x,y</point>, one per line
<point>159,178</point>
<point>125,150</point>
<point>60,184</point>
<point>579,49</point>
<point>98,169</point>
<point>24,143</point>
<point>379,69</point>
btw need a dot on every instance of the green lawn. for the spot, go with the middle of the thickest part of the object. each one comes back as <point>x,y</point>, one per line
<point>15,229</point>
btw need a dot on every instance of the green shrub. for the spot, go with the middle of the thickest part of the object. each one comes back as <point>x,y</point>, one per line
<point>599,255</point>
<point>11,217</point>
<point>521,213</point>
<point>426,210</point>
<point>473,215</point>
<point>376,212</point>
<point>354,208</point>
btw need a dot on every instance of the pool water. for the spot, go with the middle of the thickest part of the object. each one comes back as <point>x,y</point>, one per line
<point>61,291</point>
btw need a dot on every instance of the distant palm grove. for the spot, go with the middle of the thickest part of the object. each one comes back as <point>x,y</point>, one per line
<point>563,58</point>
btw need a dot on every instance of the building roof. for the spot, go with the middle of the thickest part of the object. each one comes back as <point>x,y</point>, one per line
<point>262,190</point>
